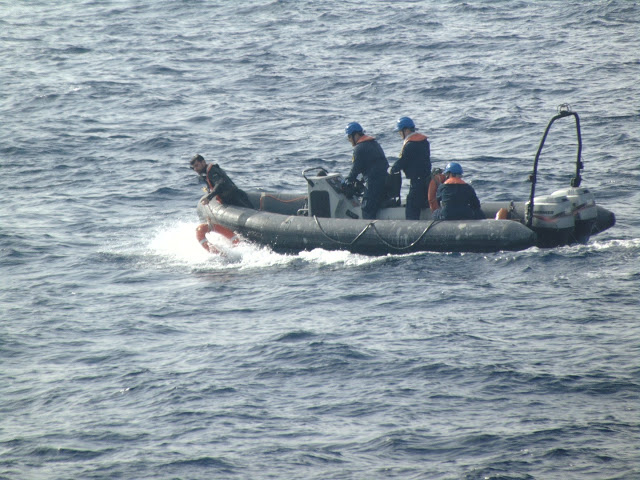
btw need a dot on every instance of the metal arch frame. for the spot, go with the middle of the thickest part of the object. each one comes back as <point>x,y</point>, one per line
<point>563,111</point>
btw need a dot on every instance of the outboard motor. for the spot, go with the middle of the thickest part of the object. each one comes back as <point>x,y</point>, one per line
<point>326,197</point>
<point>568,215</point>
<point>583,209</point>
<point>552,219</point>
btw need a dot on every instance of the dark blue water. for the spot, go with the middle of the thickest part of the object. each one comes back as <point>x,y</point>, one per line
<point>127,351</point>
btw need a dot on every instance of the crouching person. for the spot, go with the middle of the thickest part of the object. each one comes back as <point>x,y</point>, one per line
<point>219,184</point>
<point>457,199</point>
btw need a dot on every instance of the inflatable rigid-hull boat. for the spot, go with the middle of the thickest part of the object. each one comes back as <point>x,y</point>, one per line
<point>327,217</point>
<point>279,222</point>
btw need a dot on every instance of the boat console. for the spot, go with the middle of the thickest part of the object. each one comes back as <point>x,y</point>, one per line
<point>326,197</point>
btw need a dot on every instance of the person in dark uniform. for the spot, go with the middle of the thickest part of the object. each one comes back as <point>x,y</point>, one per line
<point>458,200</point>
<point>219,184</point>
<point>370,161</point>
<point>415,162</point>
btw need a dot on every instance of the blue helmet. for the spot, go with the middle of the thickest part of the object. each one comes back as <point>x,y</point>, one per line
<point>454,168</point>
<point>353,127</point>
<point>404,122</point>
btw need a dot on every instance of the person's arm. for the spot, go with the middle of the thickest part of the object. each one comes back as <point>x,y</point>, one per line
<point>474,202</point>
<point>399,164</point>
<point>215,182</point>
<point>221,184</point>
<point>439,193</point>
<point>356,168</point>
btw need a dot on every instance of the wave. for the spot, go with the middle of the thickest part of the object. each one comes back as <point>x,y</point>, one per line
<point>175,246</point>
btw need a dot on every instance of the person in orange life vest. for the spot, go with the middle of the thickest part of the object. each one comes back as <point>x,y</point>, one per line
<point>370,161</point>
<point>458,200</point>
<point>219,184</point>
<point>415,162</point>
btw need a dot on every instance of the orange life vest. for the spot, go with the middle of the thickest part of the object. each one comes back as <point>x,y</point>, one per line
<point>415,137</point>
<point>455,180</point>
<point>365,138</point>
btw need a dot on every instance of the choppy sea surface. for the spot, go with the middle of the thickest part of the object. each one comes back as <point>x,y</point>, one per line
<point>128,352</point>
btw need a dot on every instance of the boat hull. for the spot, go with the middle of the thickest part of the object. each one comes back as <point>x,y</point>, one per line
<point>294,233</point>
<point>277,222</point>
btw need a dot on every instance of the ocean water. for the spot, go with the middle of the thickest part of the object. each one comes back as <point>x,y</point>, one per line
<point>128,352</point>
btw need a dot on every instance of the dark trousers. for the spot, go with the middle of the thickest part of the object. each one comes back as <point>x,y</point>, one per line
<point>373,197</point>
<point>416,199</point>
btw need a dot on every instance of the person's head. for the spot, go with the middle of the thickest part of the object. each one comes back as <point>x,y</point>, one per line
<point>405,126</point>
<point>353,132</point>
<point>453,169</point>
<point>198,164</point>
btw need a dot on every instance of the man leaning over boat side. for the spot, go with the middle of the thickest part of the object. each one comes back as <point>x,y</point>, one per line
<point>458,199</point>
<point>370,161</point>
<point>415,162</point>
<point>219,184</point>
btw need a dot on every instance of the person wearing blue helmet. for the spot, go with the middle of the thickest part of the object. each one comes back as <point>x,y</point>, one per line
<point>457,199</point>
<point>369,161</point>
<point>415,162</point>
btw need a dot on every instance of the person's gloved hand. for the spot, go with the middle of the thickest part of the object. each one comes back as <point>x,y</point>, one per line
<point>345,185</point>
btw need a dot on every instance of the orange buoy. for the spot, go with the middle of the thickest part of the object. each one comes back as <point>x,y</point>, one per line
<point>201,235</point>
<point>204,228</point>
<point>225,232</point>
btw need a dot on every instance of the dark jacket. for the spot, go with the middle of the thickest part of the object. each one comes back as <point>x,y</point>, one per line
<point>222,186</point>
<point>415,162</point>
<point>458,201</point>
<point>415,158</point>
<point>370,161</point>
